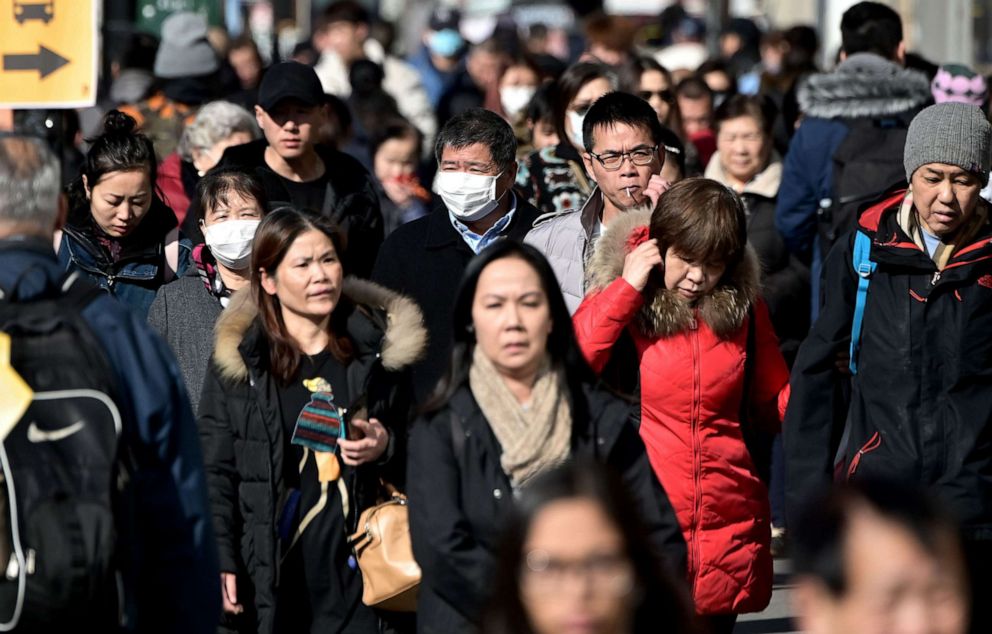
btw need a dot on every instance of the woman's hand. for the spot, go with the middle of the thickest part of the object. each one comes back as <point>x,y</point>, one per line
<point>229,593</point>
<point>638,264</point>
<point>369,447</point>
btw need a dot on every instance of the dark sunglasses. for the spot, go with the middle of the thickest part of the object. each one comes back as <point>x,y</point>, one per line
<point>666,95</point>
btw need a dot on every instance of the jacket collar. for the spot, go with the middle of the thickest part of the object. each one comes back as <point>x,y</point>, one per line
<point>239,343</point>
<point>441,233</point>
<point>663,314</point>
<point>765,183</point>
<point>864,85</point>
<point>589,216</point>
<point>145,242</point>
<point>28,266</point>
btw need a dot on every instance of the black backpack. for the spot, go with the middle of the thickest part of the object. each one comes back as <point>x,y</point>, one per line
<point>60,506</point>
<point>867,165</point>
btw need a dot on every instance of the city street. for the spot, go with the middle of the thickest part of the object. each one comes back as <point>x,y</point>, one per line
<point>776,619</point>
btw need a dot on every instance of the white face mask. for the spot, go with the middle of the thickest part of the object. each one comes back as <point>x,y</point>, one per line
<point>468,197</point>
<point>230,242</point>
<point>576,120</point>
<point>515,98</point>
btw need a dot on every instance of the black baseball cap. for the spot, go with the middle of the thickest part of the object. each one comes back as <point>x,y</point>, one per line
<point>290,80</point>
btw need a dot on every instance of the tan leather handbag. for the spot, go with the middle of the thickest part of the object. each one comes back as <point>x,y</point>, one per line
<point>382,547</point>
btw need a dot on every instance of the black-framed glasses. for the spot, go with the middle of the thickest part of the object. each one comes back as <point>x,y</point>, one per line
<point>640,156</point>
<point>666,95</point>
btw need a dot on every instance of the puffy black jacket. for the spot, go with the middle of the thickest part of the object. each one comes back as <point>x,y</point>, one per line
<point>459,498</point>
<point>242,432</point>
<point>920,406</point>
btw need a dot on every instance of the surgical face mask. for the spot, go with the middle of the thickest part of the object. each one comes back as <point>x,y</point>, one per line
<point>230,242</point>
<point>515,98</point>
<point>469,197</point>
<point>446,43</point>
<point>576,120</point>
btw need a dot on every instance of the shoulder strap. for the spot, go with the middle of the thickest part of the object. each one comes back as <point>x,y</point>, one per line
<point>171,255</point>
<point>864,267</point>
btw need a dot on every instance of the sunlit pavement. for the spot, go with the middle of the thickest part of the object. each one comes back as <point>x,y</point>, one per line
<point>777,616</point>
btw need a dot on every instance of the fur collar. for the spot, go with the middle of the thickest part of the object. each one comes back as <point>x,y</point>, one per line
<point>864,85</point>
<point>663,313</point>
<point>403,342</point>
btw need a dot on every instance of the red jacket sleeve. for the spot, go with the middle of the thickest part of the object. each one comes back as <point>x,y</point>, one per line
<point>770,389</point>
<point>602,317</point>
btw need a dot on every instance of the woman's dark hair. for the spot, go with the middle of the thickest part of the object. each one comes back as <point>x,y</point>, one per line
<point>273,239</point>
<point>119,147</point>
<point>526,61</point>
<point>571,82</point>
<point>543,104</point>
<point>214,187</point>
<point>702,220</point>
<point>660,601</point>
<point>761,109</point>
<point>396,128</point>
<point>562,348</point>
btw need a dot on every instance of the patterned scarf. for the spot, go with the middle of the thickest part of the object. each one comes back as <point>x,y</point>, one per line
<point>534,438</point>
<point>206,266</point>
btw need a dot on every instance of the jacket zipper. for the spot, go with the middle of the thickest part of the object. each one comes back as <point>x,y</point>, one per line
<point>693,544</point>
<point>935,279</point>
<point>873,443</point>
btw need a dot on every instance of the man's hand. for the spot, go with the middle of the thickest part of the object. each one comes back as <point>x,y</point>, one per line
<point>656,187</point>
<point>229,593</point>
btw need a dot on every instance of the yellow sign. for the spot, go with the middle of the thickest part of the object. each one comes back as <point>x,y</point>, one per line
<point>48,53</point>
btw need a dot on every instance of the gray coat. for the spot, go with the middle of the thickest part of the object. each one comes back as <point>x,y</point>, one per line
<point>184,312</point>
<point>566,239</point>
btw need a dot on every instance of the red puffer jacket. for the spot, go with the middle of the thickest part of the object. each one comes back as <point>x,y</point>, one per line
<point>692,362</point>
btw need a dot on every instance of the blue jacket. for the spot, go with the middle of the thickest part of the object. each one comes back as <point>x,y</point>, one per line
<point>139,272</point>
<point>174,584</point>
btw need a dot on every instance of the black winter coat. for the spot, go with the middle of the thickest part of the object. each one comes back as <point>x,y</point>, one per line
<point>424,260</point>
<point>242,432</point>
<point>459,498</point>
<point>350,199</point>
<point>920,407</point>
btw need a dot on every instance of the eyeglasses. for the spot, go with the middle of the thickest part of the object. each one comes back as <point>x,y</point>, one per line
<point>666,95</point>
<point>612,161</point>
<point>605,573</point>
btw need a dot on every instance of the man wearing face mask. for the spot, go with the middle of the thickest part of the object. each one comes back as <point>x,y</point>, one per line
<point>424,259</point>
<point>229,205</point>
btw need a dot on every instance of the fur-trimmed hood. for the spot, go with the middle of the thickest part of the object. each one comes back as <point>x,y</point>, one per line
<point>403,342</point>
<point>664,313</point>
<point>863,85</point>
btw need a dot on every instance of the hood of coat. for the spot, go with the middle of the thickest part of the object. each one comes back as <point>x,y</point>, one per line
<point>403,342</point>
<point>664,313</point>
<point>863,85</point>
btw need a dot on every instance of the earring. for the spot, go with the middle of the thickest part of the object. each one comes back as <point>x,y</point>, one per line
<point>470,328</point>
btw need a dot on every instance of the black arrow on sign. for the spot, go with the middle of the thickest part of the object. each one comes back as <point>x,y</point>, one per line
<point>45,62</point>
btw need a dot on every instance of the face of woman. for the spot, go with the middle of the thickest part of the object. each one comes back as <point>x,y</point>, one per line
<point>120,200</point>
<point>205,160</point>
<point>655,90</point>
<point>581,103</point>
<point>691,280</point>
<point>395,158</point>
<point>519,76</point>
<point>233,207</point>
<point>575,577</point>
<point>743,148</point>
<point>511,317</point>
<point>308,280</point>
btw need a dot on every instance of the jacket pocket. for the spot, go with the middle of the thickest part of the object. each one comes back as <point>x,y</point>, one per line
<point>873,443</point>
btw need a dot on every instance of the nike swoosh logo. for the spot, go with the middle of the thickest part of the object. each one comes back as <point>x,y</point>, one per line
<point>37,435</point>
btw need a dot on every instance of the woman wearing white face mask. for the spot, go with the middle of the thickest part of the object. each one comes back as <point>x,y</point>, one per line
<point>517,85</point>
<point>554,178</point>
<point>230,204</point>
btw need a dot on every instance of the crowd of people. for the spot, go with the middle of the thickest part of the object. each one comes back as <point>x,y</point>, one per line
<point>611,326</point>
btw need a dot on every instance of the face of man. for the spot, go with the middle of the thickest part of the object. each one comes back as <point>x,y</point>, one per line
<point>290,127</point>
<point>893,585</point>
<point>623,187</point>
<point>697,115</point>
<point>945,197</point>
<point>344,38</point>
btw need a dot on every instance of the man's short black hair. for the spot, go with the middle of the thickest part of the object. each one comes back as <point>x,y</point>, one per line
<point>871,27</point>
<point>819,539</point>
<point>342,11</point>
<point>621,107</point>
<point>694,87</point>
<point>478,125</point>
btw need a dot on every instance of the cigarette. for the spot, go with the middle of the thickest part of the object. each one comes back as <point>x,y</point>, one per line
<point>627,189</point>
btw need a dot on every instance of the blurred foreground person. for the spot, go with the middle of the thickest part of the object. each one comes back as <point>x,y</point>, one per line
<point>878,557</point>
<point>141,556</point>
<point>575,557</point>
<point>518,400</point>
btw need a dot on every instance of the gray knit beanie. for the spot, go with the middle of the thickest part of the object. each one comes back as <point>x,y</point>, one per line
<point>185,50</point>
<point>951,133</point>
